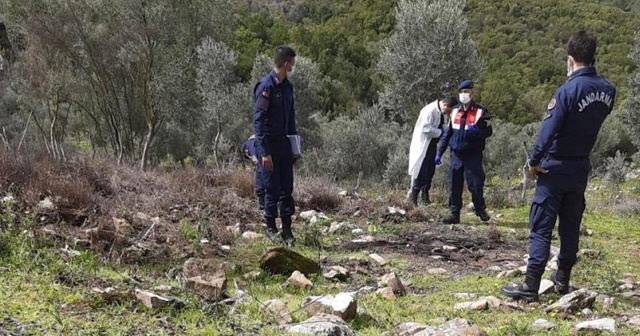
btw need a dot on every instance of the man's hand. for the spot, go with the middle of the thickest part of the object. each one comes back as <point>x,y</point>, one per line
<point>267,162</point>
<point>438,160</point>
<point>535,170</point>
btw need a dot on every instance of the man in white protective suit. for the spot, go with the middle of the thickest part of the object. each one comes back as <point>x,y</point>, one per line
<point>424,143</point>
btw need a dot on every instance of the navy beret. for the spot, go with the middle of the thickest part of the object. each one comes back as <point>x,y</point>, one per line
<point>465,85</point>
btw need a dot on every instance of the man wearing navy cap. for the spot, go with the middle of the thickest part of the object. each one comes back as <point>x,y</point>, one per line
<point>560,163</point>
<point>466,135</point>
<point>273,122</point>
<point>249,152</point>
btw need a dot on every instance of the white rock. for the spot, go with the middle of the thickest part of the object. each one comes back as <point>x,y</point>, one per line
<point>465,296</point>
<point>634,321</point>
<point>342,193</point>
<point>494,269</point>
<point>308,214</point>
<point>587,312</point>
<point>449,248</point>
<point>342,305</point>
<point>377,259</point>
<point>386,292</point>
<point>204,241</point>
<point>396,210</point>
<point>542,324</point>
<point>364,239</point>
<point>357,231</point>
<point>225,248</point>
<point>299,280</point>
<point>249,235</point>
<point>605,324</point>
<point>151,300</point>
<point>313,220</point>
<point>47,205</point>
<point>472,305</point>
<point>321,324</point>
<point>546,286</point>
<point>279,309</point>
<point>436,271</point>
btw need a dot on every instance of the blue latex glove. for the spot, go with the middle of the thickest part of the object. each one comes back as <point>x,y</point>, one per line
<point>438,160</point>
<point>473,129</point>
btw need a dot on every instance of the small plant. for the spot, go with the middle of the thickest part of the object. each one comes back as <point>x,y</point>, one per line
<point>616,168</point>
<point>188,230</point>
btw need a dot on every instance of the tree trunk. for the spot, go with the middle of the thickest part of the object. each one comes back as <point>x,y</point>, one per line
<point>147,141</point>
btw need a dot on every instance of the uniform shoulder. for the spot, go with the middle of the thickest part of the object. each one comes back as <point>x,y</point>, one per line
<point>265,84</point>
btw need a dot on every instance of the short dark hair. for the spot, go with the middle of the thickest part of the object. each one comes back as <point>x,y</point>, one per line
<point>282,55</point>
<point>582,47</point>
<point>450,101</point>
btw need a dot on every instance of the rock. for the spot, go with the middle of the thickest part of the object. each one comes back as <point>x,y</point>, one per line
<point>574,301</point>
<point>449,248</point>
<point>396,210</point>
<point>225,248</point>
<point>436,271</point>
<point>554,250</point>
<point>392,281</point>
<point>457,326</point>
<point>509,274</point>
<point>377,259</point>
<point>211,287</point>
<point>546,286</point>
<point>342,305</point>
<point>152,300</point>
<point>299,280</point>
<point>631,295</point>
<point>386,292</point>
<point>280,260</point>
<point>587,312</point>
<point>492,301</point>
<point>277,309</point>
<point>204,241</point>
<point>542,324</point>
<point>471,207</point>
<point>634,321</point>
<point>472,305</point>
<point>321,324</point>
<point>345,306</point>
<point>196,266</point>
<point>308,214</point>
<point>339,227</point>
<point>47,205</point>
<point>606,300</point>
<point>356,231</point>
<point>409,329</point>
<point>523,269</point>
<point>250,235</point>
<point>313,220</point>
<point>362,240</point>
<point>591,254</point>
<point>252,275</point>
<point>162,288</point>
<point>337,272</point>
<point>366,289</point>
<point>605,324</point>
<point>343,193</point>
<point>465,296</point>
<point>123,228</point>
<point>494,269</point>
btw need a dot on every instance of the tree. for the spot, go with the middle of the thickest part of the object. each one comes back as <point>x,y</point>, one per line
<point>631,112</point>
<point>427,55</point>
<point>219,88</point>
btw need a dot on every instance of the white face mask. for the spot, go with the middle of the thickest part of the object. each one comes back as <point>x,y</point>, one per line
<point>290,73</point>
<point>569,71</point>
<point>465,98</point>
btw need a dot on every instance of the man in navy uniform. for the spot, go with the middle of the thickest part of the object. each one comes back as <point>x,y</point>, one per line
<point>560,163</point>
<point>250,153</point>
<point>273,120</point>
<point>466,135</point>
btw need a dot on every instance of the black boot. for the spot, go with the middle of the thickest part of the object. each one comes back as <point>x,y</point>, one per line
<point>287,234</point>
<point>425,197</point>
<point>453,218</point>
<point>484,216</point>
<point>528,291</point>
<point>271,231</point>
<point>414,197</point>
<point>560,279</point>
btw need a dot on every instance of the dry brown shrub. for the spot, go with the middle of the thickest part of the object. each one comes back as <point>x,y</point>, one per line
<point>317,193</point>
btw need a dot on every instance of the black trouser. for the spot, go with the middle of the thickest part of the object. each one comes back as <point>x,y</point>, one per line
<point>427,170</point>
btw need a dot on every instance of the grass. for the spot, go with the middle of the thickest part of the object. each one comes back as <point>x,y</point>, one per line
<point>51,292</point>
